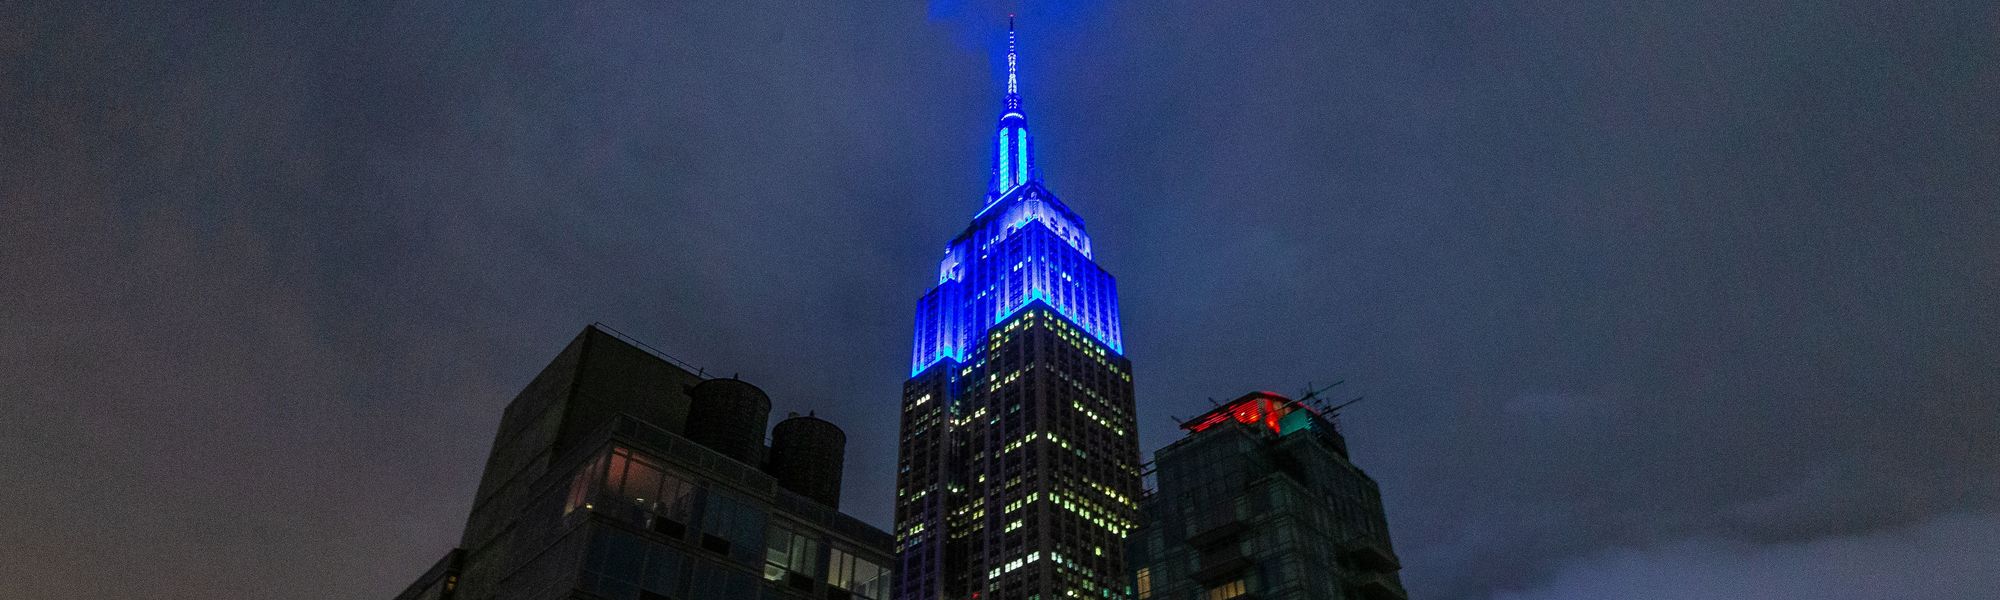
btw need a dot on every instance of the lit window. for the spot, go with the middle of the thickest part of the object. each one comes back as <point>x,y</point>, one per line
<point>859,576</point>
<point>582,487</point>
<point>1226,591</point>
<point>789,552</point>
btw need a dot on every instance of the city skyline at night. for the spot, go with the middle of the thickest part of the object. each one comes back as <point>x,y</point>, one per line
<point>1669,300</point>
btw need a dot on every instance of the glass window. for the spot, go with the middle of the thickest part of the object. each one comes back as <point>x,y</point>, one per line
<point>857,575</point>
<point>635,486</point>
<point>642,482</point>
<point>787,551</point>
<point>738,585</point>
<point>1145,582</point>
<point>736,522</point>
<point>675,499</point>
<point>619,458</point>
<point>666,570</point>
<point>1226,591</point>
<point>580,488</point>
<point>614,563</point>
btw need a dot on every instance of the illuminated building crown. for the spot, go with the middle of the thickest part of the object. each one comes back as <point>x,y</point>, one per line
<point>1024,246</point>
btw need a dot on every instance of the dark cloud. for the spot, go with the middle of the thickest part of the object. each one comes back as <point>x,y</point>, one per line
<point>1634,292</point>
<point>1949,557</point>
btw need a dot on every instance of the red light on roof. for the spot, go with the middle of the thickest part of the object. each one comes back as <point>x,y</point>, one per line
<point>1206,422</point>
<point>1263,408</point>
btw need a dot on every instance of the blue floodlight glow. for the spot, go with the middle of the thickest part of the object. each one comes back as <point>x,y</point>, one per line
<point>1033,249</point>
<point>1024,247</point>
<point>1007,169</point>
<point>1021,151</point>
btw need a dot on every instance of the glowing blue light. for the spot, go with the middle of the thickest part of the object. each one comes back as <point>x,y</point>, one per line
<point>1033,255</point>
<point>1006,172</point>
<point>1021,149</point>
<point>1032,252</point>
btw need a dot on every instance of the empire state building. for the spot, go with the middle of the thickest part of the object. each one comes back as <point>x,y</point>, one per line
<point>1018,469</point>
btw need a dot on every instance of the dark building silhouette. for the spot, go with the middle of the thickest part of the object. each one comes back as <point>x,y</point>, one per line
<point>1260,501</point>
<point>1018,476</point>
<point>618,474</point>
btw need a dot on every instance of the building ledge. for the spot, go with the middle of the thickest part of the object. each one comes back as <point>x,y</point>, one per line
<point>1221,569</point>
<point>1373,556</point>
<point>1377,586</point>
<point>1218,533</point>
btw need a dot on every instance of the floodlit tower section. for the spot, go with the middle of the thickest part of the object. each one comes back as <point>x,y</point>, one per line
<point>1018,474</point>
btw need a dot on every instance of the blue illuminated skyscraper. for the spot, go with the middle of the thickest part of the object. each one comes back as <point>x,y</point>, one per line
<point>1019,460</point>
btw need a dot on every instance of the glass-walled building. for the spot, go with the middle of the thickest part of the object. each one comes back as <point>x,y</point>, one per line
<point>667,518</point>
<point>1261,501</point>
<point>619,475</point>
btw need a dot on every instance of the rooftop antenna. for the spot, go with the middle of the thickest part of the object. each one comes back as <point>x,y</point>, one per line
<point>1313,397</point>
<point>1343,405</point>
<point>1313,393</point>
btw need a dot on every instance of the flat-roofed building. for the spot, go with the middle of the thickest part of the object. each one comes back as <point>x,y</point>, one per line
<point>618,474</point>
<point>1261,501</point>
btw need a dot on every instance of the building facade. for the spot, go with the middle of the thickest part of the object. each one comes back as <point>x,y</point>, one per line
<point>1018,469</point>
<point>1261,501</point>
<point>619,475</point>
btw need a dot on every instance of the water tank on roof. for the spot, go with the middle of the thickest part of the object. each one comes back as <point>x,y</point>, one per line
<point>807,454</point>
<point>728,416</point>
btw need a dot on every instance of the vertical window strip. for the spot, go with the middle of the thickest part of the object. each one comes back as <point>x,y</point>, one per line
<point>1006,166</point>
<point>1021,151</point>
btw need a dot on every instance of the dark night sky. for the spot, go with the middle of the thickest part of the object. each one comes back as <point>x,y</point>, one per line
<point>1665,300</point>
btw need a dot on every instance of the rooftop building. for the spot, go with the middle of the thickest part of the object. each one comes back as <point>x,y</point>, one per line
<point>619,474</point>
<point>1260,501</point>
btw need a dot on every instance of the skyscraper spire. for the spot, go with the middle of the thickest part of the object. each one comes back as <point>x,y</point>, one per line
<point>1019,400</point>
<point>1013,84</point>
<point>1013,157</point>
